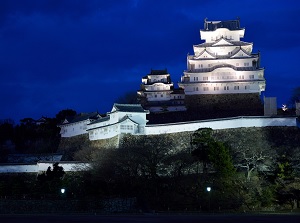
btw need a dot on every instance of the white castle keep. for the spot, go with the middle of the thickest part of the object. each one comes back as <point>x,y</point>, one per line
<point>223,64</point>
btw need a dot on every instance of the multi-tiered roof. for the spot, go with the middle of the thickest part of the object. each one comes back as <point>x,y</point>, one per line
<point>223,64</point>
<point>157,93</point>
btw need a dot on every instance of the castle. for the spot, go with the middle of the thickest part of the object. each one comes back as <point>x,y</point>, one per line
<point>223,77</point>
<point>223,71</point>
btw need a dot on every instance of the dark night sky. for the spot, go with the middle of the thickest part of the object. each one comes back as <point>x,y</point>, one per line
<point>83,55</point>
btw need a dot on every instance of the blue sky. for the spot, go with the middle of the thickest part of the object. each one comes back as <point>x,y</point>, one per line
<point>83,55</point>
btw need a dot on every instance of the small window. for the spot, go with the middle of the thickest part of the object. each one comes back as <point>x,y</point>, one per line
<point>236,87</point>
<point>251,76</point>
<point>205,89</point>
<point>205,78</point>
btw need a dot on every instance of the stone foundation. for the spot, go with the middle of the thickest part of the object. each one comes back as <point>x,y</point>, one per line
<point>244,103</point>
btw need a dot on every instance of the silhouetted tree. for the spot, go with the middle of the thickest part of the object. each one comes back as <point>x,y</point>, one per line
<point>51,180</point>
<point>63,114</point>
<point>6,130</point>
<point>202,142</point>
<point>287,182</point>
<point>30,137</point>
<point>295,97</point>
<point>128,98</point>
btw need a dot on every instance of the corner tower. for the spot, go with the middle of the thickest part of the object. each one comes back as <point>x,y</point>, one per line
<point>223,73</point>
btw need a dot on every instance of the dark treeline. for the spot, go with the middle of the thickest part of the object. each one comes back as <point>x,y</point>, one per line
<point>31,136</point>
<point>163,177</point>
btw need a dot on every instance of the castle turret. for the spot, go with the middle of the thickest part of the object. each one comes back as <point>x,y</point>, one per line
<point>157,93</point>
<point>223,69</point>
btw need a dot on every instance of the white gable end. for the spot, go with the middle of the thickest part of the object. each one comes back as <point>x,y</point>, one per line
<point>205,54</point>
<point>222,42</point>
<point>240,53</point>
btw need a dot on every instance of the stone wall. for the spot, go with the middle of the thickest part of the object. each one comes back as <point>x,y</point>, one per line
<point>278,139</point>
<point>274,138</point>
<point>69,146</point>
<point>243,104</point>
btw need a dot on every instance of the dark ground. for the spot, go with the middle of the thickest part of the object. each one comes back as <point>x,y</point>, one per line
<point>175,218</point>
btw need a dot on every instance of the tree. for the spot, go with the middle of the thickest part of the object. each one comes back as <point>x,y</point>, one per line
<point>30,137</point>
<point>6,130</point>
<point>286,181</point>
<point>202,142</point>
<point>221,176</point>
<point>51,180</point>
<point>252,159</point>
<point>6,136</point>
<point>221,159</point>
<point>295,96</point>
<point>128,98</point>
<point>63,114</point>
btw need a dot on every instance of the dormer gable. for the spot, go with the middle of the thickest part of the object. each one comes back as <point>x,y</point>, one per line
<point>65,121</point>
<point>223,42</point>
<point>240,53</point>
<point>204,54</point>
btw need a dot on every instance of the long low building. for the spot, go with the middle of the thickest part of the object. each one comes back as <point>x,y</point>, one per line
<point>42,166</point>
<point>123,118</point>
<point>132,119</point>
<point>222,123</point>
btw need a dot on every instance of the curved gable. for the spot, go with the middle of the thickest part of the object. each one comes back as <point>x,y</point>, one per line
<point>223,42</point>
<point>240,53</point>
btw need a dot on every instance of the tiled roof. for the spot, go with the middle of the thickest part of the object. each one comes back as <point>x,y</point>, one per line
<point>235,43</point>
<point>125,118</point>
<point>229,24</point>
<point>129,107</point>
<point>100,120</point>
<point>178,91</point>
<point>83,116</point>
<point>158,72</point>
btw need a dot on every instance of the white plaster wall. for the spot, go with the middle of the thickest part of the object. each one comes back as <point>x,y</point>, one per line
<point>106,132</point>
<point>224,72</point>
<point>234,34</point>
<point>43,166</point>
<point>252,88</point>
<point>74,129</point>
<point>297,108</point>
<point>19,168</point>
<point>226,123</point>
<point>158,78</point>
<point>68,166</point>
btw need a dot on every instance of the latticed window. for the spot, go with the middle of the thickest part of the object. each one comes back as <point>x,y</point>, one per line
<point>126,127</point>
